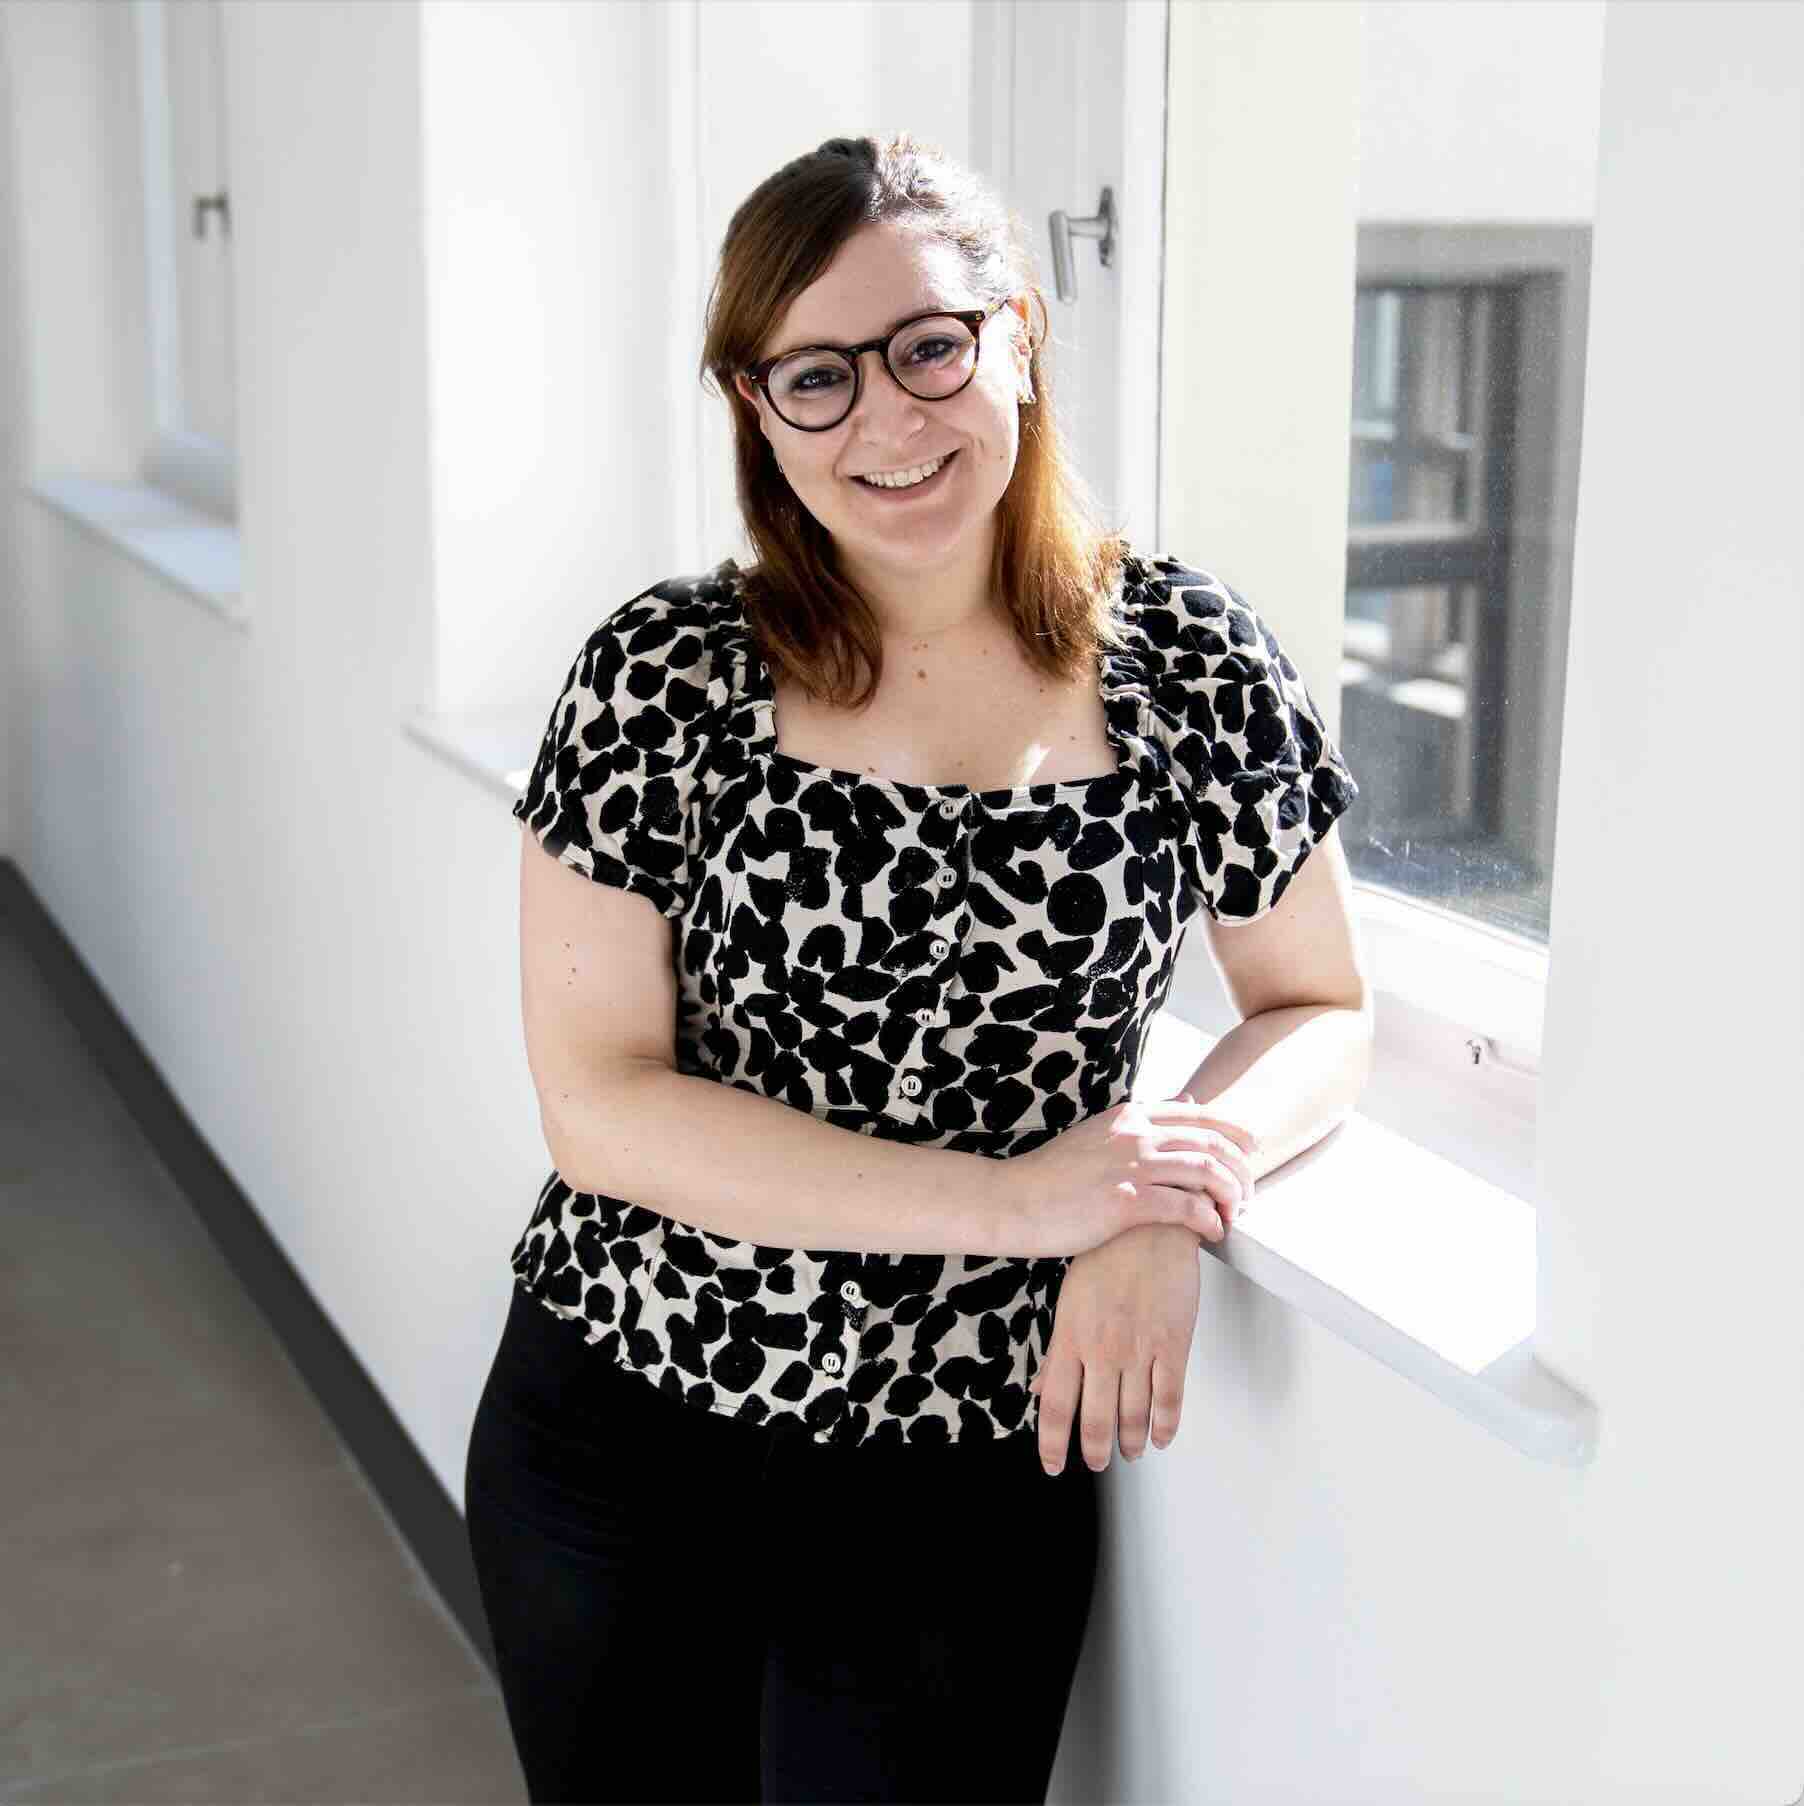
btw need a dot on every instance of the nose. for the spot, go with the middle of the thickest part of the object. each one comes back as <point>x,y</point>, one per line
<point>881,383</point>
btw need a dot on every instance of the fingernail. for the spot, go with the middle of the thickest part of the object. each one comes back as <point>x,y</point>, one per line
<point>1049,1467</point>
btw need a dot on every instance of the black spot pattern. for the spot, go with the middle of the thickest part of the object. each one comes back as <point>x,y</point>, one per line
<point>962,969</point>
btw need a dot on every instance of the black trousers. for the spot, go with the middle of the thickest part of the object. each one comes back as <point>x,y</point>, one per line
<point>690,1608</point>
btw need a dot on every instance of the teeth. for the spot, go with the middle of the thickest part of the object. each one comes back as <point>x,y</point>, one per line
<point>906,479</point>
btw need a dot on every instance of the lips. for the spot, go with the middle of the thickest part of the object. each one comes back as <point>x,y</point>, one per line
<point>947,460</point>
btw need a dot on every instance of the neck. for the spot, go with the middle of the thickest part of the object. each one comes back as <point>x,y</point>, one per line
<point>914,600</point>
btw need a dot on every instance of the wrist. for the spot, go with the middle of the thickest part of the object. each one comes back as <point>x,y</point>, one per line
<point>997,1203</point>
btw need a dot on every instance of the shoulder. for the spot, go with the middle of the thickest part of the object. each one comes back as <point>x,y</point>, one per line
<point>662,653</point>
<point>1225,695</point>
<point>1198,624</point>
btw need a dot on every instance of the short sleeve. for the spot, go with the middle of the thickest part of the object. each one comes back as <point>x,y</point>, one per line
<point>611,793</point>
<point>1262,780</point>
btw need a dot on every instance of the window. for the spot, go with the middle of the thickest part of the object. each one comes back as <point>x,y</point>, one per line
<point>188,251</point>
<point>1468,367</point>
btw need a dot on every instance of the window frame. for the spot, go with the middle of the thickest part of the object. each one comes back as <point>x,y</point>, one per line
<point>1459,1003</point>
<point>196,470</point>
<point>1472,981</point>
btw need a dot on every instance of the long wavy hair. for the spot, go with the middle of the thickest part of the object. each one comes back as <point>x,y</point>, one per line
<point>1055,565</point>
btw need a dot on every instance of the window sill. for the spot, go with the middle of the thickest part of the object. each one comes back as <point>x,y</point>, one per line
<point>1406,1255</point>
<point>495,746</point>
<point>1478,980</point>
<point>1389,1246</point>
<point>195,552</point>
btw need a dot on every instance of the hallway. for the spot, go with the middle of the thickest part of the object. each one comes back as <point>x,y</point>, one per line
<point>203,1599</point>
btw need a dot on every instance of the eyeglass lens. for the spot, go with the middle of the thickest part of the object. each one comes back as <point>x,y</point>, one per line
<point>931,358</point>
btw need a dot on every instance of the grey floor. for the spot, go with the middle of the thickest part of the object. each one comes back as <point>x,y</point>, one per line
<point>201,1598</point>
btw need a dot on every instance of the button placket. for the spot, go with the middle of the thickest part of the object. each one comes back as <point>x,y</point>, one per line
<point>854,1304</point>
<point>951,808</point>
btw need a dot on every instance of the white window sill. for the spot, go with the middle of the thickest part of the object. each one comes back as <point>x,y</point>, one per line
<point>1478,979</point>
<point>196,552</point>
<point>1406,1255</point>
<point>1391,1247</point>
<point>495,746</point>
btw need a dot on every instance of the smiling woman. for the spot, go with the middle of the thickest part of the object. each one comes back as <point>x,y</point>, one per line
<point>923,801</point>
<point>876,310</point>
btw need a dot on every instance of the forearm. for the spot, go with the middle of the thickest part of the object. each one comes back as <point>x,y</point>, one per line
<point>1287,1076</point>
<point>737,1164</point>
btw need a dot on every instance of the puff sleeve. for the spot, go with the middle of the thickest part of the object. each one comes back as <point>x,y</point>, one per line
<point>611,793</point>
<point>1262,780</point>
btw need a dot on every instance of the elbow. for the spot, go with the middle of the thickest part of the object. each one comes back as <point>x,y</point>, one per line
<point>581,1123</point>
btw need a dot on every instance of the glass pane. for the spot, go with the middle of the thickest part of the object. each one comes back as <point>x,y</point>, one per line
<point>1413,408</point>
<point>1468,372</point>
<point>933,356</point>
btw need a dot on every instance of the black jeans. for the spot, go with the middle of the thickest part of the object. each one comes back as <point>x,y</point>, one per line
<point>690,1608</point>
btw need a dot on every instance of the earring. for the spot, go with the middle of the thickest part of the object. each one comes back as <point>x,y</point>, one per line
<point>1026,389</point>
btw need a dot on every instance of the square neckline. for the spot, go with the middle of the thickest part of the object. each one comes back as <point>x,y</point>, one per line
<point>1045,790</point>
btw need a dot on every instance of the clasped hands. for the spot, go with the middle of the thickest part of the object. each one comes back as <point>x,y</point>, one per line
<point>1126,1314</point>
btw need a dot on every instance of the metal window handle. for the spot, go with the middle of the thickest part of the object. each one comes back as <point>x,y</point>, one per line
<point>1064,228</point>
<point>206,203</point>
<point>1484,1053</point>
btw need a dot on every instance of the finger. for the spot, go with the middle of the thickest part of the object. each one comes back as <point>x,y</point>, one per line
<point>1238,1165</point>
<point>1168,1400</point>
<point>1194,1115</point>
<point>1060,1378</point>
<point>1136,1408</point>
<point>1209,1191</point>
<point>1096,1430</point>
<point>1224,1175</point>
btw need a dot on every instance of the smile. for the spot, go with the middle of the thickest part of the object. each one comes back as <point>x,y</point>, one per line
<point>895,488</point>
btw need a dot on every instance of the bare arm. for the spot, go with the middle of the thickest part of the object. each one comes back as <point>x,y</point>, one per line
<point>717,1157</point>
<point>598,994</point>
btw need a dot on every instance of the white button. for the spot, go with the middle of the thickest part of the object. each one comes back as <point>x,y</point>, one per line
<point>944,876</point>
<point>850,1292</point>
<point>949,808</point>
<point>830,1361</point>
<point>940,949</point>
<point>910,1084</point>
<point>867,1128</point>
<point>923,1015</point>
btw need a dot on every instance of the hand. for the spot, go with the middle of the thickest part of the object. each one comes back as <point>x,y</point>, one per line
<point>1121,1342</point>
<point>1126,1315</point>
<point>1165,1161</point>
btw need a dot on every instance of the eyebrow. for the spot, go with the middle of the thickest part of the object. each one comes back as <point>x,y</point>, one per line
<point>914,313</point>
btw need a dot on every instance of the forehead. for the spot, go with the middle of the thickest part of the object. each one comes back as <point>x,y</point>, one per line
<point>882,274</point>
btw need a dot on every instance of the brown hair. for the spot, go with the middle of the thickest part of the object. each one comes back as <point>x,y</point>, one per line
<point>1055,565</point>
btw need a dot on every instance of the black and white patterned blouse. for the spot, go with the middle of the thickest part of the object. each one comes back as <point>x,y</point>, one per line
<point>952,968</point>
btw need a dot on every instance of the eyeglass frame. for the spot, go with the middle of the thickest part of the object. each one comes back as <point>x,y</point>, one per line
<point>975,319</point>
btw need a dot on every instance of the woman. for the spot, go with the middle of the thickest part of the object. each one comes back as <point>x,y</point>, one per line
<point>923,802</point>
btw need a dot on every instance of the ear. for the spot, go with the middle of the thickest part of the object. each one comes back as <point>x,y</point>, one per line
<point>754,398</point>
<point>1021,332</point>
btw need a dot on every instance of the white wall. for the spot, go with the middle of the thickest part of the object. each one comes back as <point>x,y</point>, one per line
<point>545,302</point>
<point>1329,1589</point>
<point>1483,112</point>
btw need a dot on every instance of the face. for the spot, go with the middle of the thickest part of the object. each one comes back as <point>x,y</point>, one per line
<point>883,274</point>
